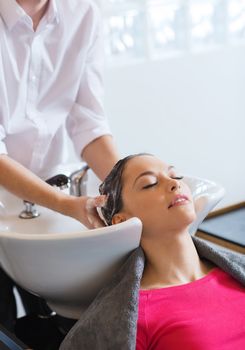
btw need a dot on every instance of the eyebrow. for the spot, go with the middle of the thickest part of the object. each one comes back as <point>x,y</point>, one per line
<point>149,172</point>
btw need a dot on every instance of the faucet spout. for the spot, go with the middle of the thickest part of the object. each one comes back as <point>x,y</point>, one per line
<point>78,181</point>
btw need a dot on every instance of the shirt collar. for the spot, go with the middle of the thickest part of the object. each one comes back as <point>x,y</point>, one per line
<point>52,12</point>
<point>12,12</point>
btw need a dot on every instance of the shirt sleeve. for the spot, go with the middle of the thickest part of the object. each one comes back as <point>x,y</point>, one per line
<point>87,120</point>
<point>3,149</point>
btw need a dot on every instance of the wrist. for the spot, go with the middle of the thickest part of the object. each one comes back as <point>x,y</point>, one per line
<point>72,206</point>
<point>63,203</point>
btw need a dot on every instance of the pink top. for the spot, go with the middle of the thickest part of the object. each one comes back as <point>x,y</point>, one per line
<point>207,314</point>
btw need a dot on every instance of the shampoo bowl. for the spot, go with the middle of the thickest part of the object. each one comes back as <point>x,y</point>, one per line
<point>57,258</point>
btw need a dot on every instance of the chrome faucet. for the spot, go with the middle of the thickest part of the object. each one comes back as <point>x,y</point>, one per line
<point>30,211</point>
<point>78,181</point>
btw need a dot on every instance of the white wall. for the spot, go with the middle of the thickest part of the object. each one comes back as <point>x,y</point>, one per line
<point>188,110</point>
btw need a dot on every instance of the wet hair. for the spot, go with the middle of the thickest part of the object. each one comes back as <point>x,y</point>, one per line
<point>112,188</point>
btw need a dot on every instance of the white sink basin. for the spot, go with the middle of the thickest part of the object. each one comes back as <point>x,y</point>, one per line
<point>48,221</point>
<point>60,260</point>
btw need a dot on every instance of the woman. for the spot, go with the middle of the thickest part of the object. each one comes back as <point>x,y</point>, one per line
<point>184,300</point>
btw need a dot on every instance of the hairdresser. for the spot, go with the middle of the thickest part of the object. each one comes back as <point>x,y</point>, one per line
<point>51,61</point>
<point>50,89</point>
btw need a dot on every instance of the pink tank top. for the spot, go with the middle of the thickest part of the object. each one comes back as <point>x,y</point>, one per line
<point>207,314</point>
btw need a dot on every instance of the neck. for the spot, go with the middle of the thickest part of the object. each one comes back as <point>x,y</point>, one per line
<point>35,9</point>
<point>171,260</point>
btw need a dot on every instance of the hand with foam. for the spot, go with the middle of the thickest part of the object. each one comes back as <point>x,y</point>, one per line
<point>93,208</point>
<point>85,210</point>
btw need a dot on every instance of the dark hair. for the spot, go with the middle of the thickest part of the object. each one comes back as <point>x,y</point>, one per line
<point>112,188</point>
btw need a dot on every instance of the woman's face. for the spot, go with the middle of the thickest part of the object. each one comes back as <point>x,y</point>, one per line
<point>152,192</point>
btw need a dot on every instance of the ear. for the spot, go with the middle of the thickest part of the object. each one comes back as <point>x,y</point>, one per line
<point>118,218</point>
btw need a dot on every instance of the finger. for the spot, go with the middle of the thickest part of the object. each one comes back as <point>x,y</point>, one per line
<point>100,201</point>
<point>95,221</point>
<point>92,214</point>
<point>90,204</point>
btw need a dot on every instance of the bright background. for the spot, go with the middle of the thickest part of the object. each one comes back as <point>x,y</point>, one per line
<point>175,84</point>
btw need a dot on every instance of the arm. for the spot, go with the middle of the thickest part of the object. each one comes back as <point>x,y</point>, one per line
<point>101,155</point>
<point>87,124</point>
<point>24,184</point>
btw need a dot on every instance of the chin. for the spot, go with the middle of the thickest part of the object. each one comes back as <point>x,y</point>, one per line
<point>188,217</point>
<point>191,217</point>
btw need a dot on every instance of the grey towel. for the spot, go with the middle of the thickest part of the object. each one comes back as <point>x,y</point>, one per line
<point>110,322</point>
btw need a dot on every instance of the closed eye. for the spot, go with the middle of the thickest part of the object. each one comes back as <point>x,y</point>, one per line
<point>150,185</point>
<point>155,183</point>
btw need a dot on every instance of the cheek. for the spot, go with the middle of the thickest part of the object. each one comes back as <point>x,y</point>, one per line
<point>136,208</point>
<point>141,206</point>
<point>151,212</point>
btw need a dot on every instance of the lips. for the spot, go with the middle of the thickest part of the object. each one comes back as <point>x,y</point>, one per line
<point>180,199</point>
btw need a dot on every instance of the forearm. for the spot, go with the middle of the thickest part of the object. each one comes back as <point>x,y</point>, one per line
<point>26,185</point>
<point>101,155</point>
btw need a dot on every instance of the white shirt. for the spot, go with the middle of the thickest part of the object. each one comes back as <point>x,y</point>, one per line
<point>50,82</point>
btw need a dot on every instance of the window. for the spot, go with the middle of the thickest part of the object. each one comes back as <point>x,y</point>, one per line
<point>141,29</point>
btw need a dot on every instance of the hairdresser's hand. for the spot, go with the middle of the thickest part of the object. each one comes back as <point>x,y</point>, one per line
<point>84,210</point>
<point>91,211</point>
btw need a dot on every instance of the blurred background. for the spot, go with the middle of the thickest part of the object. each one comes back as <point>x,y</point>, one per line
<point>175,84</point>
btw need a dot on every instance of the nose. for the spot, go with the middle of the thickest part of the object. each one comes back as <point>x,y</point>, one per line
<point>173,185</point>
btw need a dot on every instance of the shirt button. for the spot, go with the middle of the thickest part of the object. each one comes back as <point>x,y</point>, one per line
<point>34,78</point>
